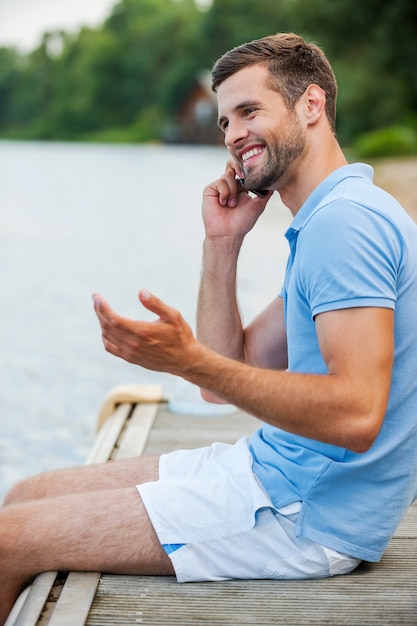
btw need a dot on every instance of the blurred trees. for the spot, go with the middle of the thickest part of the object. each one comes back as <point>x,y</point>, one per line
<point>373,46</point>
<point>125,79</point>
<point>232,22</point>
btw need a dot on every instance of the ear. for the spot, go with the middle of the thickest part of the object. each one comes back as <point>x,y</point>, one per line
<point>313,102</point>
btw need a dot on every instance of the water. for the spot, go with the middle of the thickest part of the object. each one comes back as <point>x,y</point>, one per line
<point>75,219</point>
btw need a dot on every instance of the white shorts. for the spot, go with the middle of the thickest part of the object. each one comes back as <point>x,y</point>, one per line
<point>216,521</point>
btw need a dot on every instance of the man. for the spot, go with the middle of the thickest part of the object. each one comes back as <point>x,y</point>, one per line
<point>329,367</point>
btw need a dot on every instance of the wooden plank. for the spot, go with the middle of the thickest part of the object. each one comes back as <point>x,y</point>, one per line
<point>108,435</point>
<point>172,431</point>
<point>75,600</point>
<point>133,439</point>
<point>35,600</point>
<point>127,394</point>
<point>408,526</point>
<point>374,595</point>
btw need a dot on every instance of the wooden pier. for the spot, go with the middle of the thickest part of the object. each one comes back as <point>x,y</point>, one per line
<point>136,420</point>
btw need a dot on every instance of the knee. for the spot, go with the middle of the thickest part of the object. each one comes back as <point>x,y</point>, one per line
<point>24,490</point>
<point>12,525</point>
<point>15,495</point>
<point>16,566</point>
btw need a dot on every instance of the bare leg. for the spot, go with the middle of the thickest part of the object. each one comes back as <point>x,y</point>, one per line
<point>111,475</point>
<point>103,531</point>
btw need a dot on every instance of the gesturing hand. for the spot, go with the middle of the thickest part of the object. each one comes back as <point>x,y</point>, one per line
<point>165,345</point>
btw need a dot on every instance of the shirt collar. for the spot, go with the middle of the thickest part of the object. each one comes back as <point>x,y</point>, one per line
<point>358,170</point>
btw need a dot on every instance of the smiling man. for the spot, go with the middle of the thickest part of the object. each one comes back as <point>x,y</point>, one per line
<point>328,368</point>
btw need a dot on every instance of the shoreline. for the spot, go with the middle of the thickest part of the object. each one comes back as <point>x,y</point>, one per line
<point>398,176</point>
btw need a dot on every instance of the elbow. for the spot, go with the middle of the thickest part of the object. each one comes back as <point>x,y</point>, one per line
<point>361,446</point>
<point>365,432</point>
<point>211,397</point>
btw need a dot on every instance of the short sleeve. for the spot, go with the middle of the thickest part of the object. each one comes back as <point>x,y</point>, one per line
<point>350,256</point>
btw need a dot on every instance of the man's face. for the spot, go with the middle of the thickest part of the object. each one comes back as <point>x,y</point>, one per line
<point>263,136</point>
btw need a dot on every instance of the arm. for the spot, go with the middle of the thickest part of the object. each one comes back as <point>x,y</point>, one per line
<point>228,214</point>
<point>344,407</point>
<point>263,343</point>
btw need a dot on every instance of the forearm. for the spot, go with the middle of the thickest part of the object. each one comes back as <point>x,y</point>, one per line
<point>345,406</point>
<point>321,407</point>
<point>219,325</point>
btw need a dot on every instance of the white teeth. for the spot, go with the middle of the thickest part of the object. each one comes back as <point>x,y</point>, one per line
<point>251,153</point>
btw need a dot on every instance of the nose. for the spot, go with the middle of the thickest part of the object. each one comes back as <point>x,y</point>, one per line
<point>235,132</point>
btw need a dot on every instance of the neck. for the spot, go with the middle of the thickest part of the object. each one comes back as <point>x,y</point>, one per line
<point>310,169</point>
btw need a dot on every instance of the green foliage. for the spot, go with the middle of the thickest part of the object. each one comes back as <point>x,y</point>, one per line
<point>392,141</point>
<point>146,128</point>
<point>232,22</point>
<point>9,78</point>
<point>124,80</point>
<point>372,45</point>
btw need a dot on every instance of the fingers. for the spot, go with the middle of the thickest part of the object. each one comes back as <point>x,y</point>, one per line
<point>229,190</point>
<point>111,324</point>
<point>104,312</point>
<point>233,176</point>
<point>226,189</point>
<point>99,303</point>
<point>144,343</point>
<point>234,170</point>
<point>225,192</point>
<point>155,305</point>
<point>152,303</point>
<point>163,345</point>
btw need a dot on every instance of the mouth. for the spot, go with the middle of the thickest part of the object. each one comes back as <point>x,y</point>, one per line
<point>247,155</point>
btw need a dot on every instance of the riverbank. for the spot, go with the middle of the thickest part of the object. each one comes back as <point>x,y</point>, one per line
<point>399,177</point>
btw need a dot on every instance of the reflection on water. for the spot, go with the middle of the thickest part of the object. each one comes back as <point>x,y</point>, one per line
<point>75,219</point>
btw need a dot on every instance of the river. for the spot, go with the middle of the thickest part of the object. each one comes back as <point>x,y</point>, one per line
<point>80,218</point>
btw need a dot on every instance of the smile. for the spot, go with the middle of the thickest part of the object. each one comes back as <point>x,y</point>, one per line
<point>251,153</point>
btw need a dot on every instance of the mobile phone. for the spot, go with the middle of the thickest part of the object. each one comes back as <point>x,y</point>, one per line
<point>261,193</point>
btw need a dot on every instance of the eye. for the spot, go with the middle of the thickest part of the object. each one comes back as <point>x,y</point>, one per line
<point>224,125</point>
<point>249,111</point>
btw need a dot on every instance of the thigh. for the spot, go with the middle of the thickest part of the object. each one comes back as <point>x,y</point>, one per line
<point>104,531</point>
<point>110,475</point>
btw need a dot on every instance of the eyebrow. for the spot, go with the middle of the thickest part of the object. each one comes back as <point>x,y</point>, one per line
<point>236,109</point>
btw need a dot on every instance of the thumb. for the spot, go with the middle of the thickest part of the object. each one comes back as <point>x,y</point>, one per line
<point>154,304</point>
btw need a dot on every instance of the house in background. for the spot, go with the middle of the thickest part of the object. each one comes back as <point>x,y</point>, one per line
<point>196,122</point>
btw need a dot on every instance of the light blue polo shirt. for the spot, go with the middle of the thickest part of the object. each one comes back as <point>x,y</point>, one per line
<point>351,245</point>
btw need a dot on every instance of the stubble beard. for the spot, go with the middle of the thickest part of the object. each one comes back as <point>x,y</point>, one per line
<point>279,155</point>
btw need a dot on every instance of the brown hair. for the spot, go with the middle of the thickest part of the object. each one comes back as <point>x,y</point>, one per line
<point>293,64</point>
